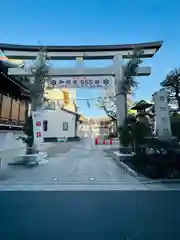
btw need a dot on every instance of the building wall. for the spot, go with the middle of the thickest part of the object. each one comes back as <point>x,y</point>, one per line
<point>57,95</point>
<point>83,129</point>
<point>15,110</point>
<point>11,110</point>
<point>55,120</point>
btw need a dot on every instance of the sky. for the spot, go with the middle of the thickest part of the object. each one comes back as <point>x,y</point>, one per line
<point>98,22</point>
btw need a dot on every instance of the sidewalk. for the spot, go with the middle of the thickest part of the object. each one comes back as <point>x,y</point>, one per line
<point>71,165</point>
<point>7,155</point>
<point>80,164</point>
<point>51,148</point>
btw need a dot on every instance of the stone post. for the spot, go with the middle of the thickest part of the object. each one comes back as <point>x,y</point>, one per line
<point>163,125</point>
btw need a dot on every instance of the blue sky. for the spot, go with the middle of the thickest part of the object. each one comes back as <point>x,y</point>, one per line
<point>74,22</point>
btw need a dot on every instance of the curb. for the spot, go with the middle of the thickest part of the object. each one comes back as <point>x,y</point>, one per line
<point>124,166</point>
<point>74,140</point>
<point>55,140</point>
<point>128,169</point>
<point>164,181</point>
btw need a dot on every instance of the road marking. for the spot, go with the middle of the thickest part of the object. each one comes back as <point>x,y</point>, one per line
<point>56,179</point>
<point>91,178</point>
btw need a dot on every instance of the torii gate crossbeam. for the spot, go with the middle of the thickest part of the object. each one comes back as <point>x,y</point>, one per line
<point>27,52</point>
<point>70,72</point>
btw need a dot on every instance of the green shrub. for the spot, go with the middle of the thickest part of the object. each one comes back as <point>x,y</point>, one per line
<point>125,136</point>
<point>175,125</point>
<point>133,132</point>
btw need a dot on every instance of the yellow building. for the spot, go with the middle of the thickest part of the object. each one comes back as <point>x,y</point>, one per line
<point>66,97</point>
<point>83,119</point>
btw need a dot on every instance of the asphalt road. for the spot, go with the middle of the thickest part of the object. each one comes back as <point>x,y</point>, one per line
<point>131,215</point>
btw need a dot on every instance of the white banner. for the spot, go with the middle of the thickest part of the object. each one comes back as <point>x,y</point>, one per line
<point>38,127</point>
<point>81,82</point>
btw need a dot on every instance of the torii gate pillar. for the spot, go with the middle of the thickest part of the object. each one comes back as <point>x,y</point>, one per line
<point>121,104</point>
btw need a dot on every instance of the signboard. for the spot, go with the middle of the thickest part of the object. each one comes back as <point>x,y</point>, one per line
<point>81,82</point>
<point>38,127</point>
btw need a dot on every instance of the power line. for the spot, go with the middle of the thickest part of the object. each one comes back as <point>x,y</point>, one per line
<point>83,99</point>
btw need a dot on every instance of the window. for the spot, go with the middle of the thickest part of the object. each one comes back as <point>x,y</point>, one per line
<point>65,126</point>
<point>162,98</point>
<point>45,125</point>
<point>162,109</point>
<point>50,106</point>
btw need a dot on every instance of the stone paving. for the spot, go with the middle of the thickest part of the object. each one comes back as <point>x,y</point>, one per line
<point>82,162</point>
<point>73,166</point>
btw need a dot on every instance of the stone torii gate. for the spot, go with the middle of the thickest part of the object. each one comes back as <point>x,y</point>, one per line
<point>120,71</point>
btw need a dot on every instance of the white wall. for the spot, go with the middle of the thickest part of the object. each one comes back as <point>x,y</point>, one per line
<point>55,120</point>
<point>8,140</point>
<point>83,129</point>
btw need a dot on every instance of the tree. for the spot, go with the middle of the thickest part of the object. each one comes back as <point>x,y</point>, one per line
<point>109,106</point>
<point>172,85</point>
